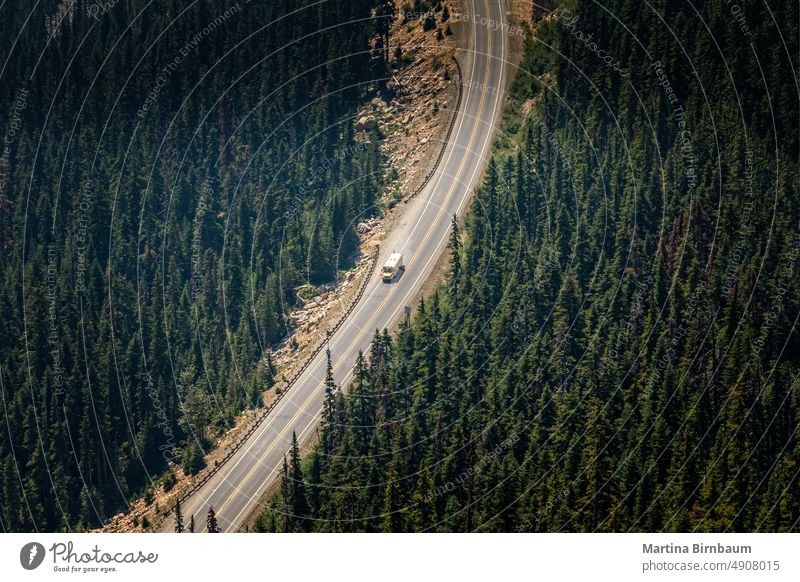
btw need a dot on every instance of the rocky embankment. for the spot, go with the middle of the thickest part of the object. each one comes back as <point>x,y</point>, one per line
<point>409,118</point>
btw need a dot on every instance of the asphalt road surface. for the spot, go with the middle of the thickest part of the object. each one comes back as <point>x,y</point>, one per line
<point>421,235</point>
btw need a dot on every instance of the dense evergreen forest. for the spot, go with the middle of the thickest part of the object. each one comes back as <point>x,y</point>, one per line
<point>615,347</point>
<point>171,172</point>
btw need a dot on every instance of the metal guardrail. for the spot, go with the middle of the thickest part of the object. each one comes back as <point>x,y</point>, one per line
<point>232,449</point>
<point>213,469</point>
<point>450,127</point>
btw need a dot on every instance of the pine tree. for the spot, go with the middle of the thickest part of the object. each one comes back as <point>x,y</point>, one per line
<point>592,319</point>
<point>393,518</point>
<point>329,409</point>
<point>110,353</point>
<point>455,252</point>
<point>269,371</point>
<point>385,15</point>
<point>362,404</point>
<point>211,521</point>
<point>286,497</point>
<point>298,494</point>
<point>178,517</point>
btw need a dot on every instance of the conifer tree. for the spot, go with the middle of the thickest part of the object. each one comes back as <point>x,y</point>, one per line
<point>299,506</point>
<point>211,521</point>
<point>178,517</point>
<point>286,497</point>
<point>455,252</point>
<point>119,368</point>
<point>329,408</point>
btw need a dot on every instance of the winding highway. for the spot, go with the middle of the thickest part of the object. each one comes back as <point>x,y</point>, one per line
<point>421,234</point>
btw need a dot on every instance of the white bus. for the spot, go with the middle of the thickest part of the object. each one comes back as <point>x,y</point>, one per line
<point>392,267</point>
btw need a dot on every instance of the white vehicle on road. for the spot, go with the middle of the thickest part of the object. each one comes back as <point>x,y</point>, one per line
<point>234,488</point>
<point>392,267</point>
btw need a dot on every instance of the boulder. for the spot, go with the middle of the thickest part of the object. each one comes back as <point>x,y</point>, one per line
<point>365,123</point>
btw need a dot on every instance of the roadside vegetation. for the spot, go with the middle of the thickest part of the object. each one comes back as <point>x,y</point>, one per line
<point>615,348</point>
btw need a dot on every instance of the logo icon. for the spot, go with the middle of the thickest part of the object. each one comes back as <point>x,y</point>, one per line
<point>31,555</point>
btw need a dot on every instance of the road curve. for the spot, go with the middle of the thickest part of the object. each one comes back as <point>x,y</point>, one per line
<point>421,235</point>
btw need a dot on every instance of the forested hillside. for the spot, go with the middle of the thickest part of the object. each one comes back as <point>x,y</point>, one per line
<point>615,348</point>
<point>171,172</point>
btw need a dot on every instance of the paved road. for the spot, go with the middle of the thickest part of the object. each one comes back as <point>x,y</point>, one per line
<point>421,235</point>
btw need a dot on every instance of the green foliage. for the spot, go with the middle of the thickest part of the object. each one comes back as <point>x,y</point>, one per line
<point>614,348</point>
<point>194,170</point>
<point>178,517</point>
<point>211,521</point>
<point>192,459</point>
<point>169,480</point>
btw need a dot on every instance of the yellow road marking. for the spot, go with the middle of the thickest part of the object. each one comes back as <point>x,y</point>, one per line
<point>392,290</point>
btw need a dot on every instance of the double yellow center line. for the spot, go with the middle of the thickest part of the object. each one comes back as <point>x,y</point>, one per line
<point>450,191</point>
